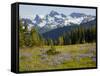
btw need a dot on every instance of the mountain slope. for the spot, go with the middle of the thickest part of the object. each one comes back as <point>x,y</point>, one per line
<point>54,34</point>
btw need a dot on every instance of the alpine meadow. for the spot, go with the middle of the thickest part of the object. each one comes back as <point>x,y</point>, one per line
<point>52,38</point>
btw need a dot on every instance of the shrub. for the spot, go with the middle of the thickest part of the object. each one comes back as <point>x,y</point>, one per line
<point>52,51</point>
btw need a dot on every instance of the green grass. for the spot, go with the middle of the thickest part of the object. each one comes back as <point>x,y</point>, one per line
<point>30,59</point>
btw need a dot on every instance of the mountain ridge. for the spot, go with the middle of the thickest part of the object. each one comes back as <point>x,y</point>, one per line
<point>55,20</point>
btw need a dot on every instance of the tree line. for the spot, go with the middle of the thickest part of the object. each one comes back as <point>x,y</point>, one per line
<point>78,35</point>
<point>29,38</point>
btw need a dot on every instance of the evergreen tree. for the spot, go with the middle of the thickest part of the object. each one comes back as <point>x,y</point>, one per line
<point>21,35</point>
<point>61,40</point>
<point>35,37</point>
<point>67,38</point>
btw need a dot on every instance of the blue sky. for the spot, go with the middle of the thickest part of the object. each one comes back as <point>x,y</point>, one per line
<point>29,11</point>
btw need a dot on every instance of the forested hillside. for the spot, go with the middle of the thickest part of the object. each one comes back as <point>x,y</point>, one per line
<point>60,36</point>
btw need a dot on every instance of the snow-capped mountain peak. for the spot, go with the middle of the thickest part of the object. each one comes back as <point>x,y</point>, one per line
<point>55,20</point>
<point>53,13</point>
<point>77,15</point>
<point>37,19</point>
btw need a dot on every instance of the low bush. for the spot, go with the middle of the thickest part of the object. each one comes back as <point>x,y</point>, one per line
<point>52,51</point>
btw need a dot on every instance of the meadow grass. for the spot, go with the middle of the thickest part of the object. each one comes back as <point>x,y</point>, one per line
<point>80,56</point>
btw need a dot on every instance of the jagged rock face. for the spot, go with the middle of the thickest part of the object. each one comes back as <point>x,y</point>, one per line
<point>55,20</point>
